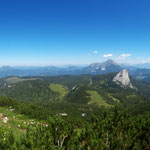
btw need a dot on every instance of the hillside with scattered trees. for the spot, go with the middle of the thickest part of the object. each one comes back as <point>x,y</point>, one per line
<point>73,113</point>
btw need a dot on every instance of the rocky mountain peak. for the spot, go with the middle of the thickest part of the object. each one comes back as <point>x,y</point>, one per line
<point>110,61</point>
<point>5,68</point>
<point>123,79</point>
<point>105,67</point>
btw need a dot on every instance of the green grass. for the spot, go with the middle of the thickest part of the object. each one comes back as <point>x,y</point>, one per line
<point>90,82</point>
<point>13,80</point>
<point>131,96</point>
<point>97,99</point>
<point>114,99</point>
<point>16,122</point>
<point>140,77</point>
<point>60,89</point>
<point>102,82</point>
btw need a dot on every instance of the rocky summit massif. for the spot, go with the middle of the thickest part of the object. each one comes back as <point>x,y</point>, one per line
<point>123,79</point>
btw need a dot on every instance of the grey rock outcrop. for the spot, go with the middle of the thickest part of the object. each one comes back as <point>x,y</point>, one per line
<point>122,79</point>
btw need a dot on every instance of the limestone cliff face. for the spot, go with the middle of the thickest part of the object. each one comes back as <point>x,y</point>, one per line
<point>122,79</point>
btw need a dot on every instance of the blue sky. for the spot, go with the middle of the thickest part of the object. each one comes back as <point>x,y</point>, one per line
<point>60,32</point>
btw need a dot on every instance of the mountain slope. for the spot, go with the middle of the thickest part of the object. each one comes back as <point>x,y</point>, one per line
<point>32,127</point>
<point>27,90</point>
<point>102,68</point>
<point>73,89</point>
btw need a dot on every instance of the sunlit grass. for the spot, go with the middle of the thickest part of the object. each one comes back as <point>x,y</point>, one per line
<point>62,90</point>
<point>97,99</point>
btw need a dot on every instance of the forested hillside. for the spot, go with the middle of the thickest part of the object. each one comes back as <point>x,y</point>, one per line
<point>75,95</point>
<point>74,113</point>
<point>38,129</point>
<point>75,89</point>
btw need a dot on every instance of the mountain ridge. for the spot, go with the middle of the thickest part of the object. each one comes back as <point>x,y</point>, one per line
<point>105,67</point>
<point>95,68</point>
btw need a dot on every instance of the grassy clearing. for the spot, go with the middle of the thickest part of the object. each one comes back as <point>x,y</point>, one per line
<point>90,82</point>
<point>97,99</point>
<point>62,90</point>
<point>13,80</point>
<point>16,122</point>
<point>131,96</point>
<point>102,82</point>
<point>114,99</point>
<point>140,77</point>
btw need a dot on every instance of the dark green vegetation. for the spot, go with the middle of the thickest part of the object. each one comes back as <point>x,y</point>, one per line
<point>84,89</point>
<point>62,93</point>
<point>74,113</point>
<point>110,129</point>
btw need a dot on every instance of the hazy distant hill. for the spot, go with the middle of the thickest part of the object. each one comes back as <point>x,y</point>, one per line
<point>142,66</point>
<point>141,74</point>
<point>96,68</point>
<point>108,66</point>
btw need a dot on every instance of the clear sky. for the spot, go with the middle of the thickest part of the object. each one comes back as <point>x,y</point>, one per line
<point>60,32</point>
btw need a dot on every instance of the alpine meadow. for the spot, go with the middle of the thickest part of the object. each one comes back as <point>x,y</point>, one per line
<point>74,75</point>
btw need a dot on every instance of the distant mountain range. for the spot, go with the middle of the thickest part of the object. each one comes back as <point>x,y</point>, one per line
<point>142,66</point>
<point>94,69</point>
